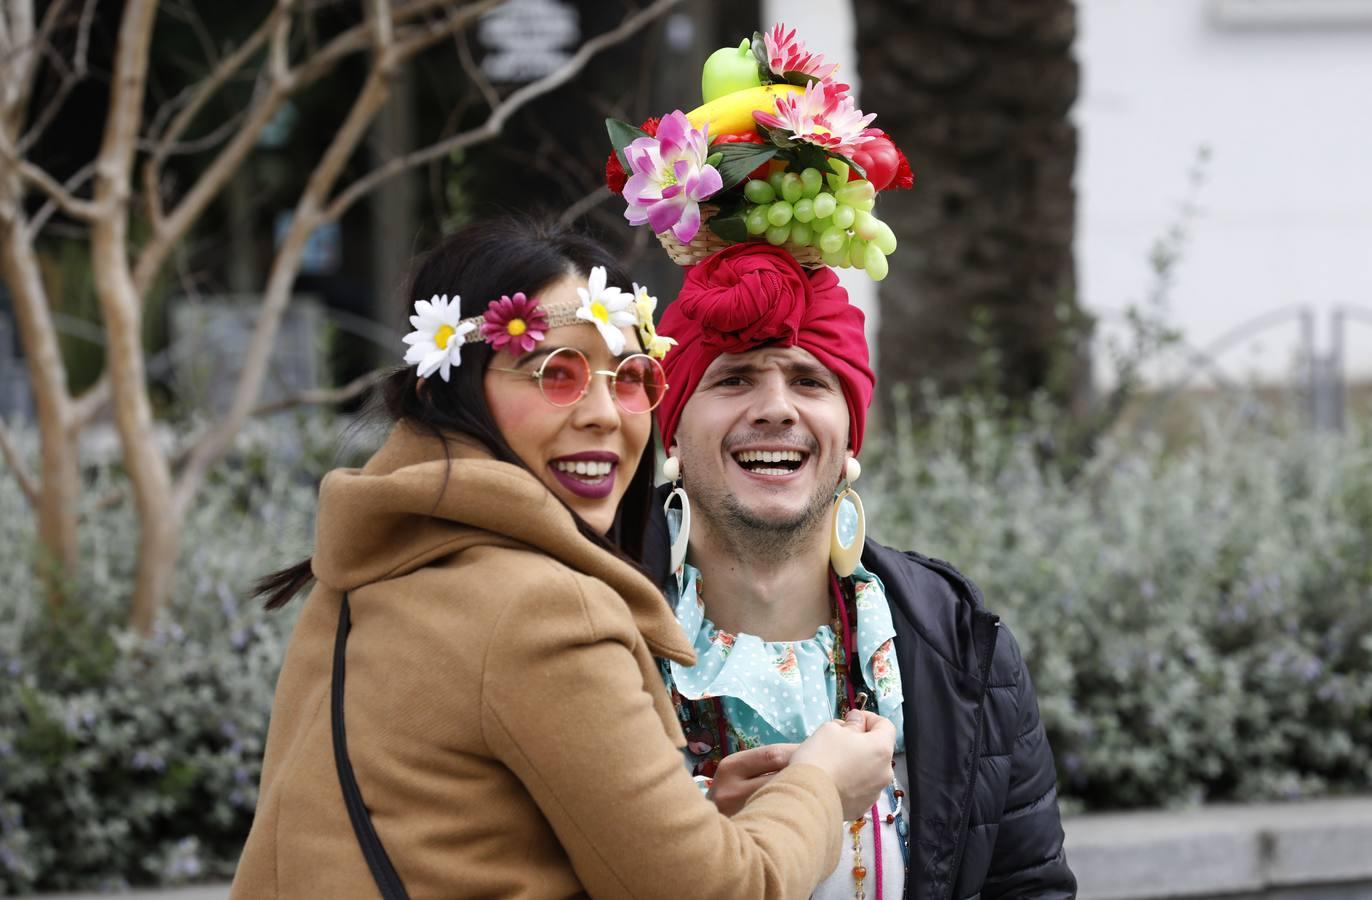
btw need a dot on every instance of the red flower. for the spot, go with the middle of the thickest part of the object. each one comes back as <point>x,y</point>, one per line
<point>615,176</point>
<point>905,176</point>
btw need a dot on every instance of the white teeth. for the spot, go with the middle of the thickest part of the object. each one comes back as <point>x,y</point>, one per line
<point>770,456</point>
<point>584,468</point>
<point>772,471</point>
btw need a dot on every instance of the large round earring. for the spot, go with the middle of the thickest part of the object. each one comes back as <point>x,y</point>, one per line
<point>672,469</point>
<point>845,557</point>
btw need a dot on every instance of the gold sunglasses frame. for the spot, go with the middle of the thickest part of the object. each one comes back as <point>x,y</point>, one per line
<point>537,376</point>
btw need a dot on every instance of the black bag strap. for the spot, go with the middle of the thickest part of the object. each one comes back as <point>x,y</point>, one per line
<point>387,881</point>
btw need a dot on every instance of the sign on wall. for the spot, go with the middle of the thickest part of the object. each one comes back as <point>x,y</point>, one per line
<point>527,39</point>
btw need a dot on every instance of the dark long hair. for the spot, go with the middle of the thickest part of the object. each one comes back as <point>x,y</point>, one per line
<point>480,262</point>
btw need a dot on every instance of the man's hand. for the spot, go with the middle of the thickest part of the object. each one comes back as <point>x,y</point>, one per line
<point>741,774</point>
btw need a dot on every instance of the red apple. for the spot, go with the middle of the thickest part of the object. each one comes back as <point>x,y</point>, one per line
<point>881,160</point>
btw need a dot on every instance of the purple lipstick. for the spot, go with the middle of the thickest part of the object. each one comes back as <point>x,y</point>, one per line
<point>590,474</point>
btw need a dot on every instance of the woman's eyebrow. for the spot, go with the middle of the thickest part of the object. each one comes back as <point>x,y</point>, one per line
<point>533,354</point>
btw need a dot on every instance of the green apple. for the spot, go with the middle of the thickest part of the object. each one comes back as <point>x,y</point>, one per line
<point>729,69</point>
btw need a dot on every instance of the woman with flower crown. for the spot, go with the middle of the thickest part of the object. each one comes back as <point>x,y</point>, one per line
<point>469,706</point>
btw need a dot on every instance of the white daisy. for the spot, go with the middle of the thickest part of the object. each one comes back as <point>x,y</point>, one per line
<point>438,336</point>
<point>607,308</point>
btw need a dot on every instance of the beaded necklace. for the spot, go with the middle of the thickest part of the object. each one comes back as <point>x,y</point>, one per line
<point>706,725</point>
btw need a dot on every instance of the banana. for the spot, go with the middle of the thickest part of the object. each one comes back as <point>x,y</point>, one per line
<point>733,113</point>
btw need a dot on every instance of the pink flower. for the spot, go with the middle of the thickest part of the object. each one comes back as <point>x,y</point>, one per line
<point>515,322</point>
<point>785,53</point>
<point>825,115</point>
<point>669,177</point>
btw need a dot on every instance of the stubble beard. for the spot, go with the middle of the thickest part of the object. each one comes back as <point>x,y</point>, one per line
<point>746,534</point>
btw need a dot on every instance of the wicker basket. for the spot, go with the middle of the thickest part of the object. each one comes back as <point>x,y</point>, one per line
<point>707,242</point>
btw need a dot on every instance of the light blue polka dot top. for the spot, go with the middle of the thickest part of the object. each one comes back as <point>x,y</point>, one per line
<point>781,691</point>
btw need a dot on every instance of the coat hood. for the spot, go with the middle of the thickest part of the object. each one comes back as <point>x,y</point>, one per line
<point>413,503</point>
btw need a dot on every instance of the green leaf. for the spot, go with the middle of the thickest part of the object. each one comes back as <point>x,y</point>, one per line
<point>737,160</point>
<point>811,156</point>
<point>622,134</point>
<point>760,54</point>
<point>714,159</point>
<point>798,78</point>
<point>775,137</point>
<point>731,228</point>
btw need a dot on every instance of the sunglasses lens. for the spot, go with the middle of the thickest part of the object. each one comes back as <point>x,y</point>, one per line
<point>639,384</point>
<point>565,374</point>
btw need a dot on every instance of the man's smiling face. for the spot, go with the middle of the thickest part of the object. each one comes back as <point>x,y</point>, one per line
<point>762,443</point>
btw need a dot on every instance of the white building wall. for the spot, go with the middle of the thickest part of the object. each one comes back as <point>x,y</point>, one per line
<point>1283,99</point>
<point>828,28</point>
<point>1280,92</point>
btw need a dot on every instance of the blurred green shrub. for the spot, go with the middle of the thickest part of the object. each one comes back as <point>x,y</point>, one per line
<point>126,760</point>
<point>1198,621</point>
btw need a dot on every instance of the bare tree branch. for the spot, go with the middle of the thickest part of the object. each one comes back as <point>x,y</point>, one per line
<point>27,77</point>
<point>276,28</point>
<point>383,29</point>
<point>71,75</point>
<point>419,38</point>
<point>84,210</point>
<point>20,60</point>
<point>173,226</point>
<point>184,11</point>
<point>90,403</point>
<point>183,108</point>
<point>202,143</point>
<point>278,58</point>
<point>372,97</point>
<point>121,309</point>
<point>124,119</point>
<point>325,396</point>
<point>478,78</point>
<point>284,82</point>
<point>16,463</point>
<point>45,212</point>
<point>358,37</point>
<point>496,121</point>
<point>583,206</point>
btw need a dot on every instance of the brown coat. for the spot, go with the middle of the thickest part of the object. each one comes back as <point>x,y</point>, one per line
<point>506,721</point>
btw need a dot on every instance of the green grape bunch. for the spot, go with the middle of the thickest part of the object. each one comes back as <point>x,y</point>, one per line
<point>796,208</point>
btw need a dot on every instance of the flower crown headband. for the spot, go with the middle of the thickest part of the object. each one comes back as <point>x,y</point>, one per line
<point>521,323</point>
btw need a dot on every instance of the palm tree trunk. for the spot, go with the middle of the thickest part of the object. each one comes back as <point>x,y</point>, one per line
<point>983,286</point>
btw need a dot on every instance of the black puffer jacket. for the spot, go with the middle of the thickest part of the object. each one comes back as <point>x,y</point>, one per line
<point>983,788</point>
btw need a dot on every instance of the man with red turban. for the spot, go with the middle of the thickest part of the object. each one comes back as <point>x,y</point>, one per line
<point>796,618</point>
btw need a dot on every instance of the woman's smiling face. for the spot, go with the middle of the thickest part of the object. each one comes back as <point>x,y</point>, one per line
<point>585,453</point>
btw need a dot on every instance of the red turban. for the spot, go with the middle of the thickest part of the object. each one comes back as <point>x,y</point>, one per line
<point>747,295</point>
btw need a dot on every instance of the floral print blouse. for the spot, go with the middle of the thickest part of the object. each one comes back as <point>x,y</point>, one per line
<point>781,691</point>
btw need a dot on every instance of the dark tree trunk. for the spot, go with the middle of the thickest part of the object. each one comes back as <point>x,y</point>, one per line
<point>983,286</point>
